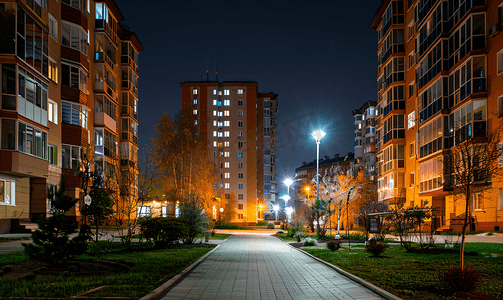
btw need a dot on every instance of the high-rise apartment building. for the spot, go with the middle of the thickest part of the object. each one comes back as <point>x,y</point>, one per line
<point>69,75</point>
<point>365,131</point>
<point>240,125</point>
<point>440,82</point>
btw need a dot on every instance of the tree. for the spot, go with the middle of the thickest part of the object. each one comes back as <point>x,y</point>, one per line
<point>182,157</point>
<point>472,165</point>
<point>192,211</point>
<point>230,208</point>
<point>101,205</point>
<point>51,242</point>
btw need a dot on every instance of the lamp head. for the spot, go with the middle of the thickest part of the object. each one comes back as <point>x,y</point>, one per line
<point>318,134</point>
<point>288,182</point>
<point>286,198</point>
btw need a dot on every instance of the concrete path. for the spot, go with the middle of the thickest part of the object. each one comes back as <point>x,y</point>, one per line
<point>263,267</point>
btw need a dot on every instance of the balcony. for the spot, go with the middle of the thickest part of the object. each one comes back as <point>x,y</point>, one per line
<point>102,119</point>
<point>101,86</point>
<point>127,60</point>
<point>126,84</point>
<point>102,56</point>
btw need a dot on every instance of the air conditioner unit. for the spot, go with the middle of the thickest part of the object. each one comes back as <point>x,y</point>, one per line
<point>493,31</point>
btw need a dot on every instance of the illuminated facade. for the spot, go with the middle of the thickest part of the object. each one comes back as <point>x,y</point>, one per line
<point>240,125</point>
<point>440,81</point>
<point>69,91</point>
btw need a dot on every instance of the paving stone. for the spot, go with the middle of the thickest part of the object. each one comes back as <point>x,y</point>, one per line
<point>260,267</point>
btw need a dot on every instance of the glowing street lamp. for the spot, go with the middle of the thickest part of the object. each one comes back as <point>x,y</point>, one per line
<point>307,189</point>
<point>318,135</point>
<point>276,208</point>
<point>289,211</point>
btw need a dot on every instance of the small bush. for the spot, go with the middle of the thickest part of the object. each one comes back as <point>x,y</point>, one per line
<point>164,231</point>
<point>299,235</point>
<point>375,248</point>
<point>213,232</point>
<point>309,241</point>
<point>270,226</point>
<point>490,233</point>
<point>457,280</point>
<point>333,245</point>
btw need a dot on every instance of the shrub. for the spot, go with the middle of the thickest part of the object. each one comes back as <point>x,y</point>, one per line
<point>299,235</point>
<point>164,231</point>
<point>490,233</point>
<point>270,226</point>
<point>192,211</point>
<point>309,241</point>
<point>457,280</point>
<point>333,245</point>
<point>375,248</point>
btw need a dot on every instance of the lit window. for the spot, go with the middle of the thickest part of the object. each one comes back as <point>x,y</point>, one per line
<point>53,70</point>
<point>220,113</point>
<point>226,144</point>
<point>240,113</point>
<point>215,102</point>
<point>226,154</point>
<point>227,134</point>
<point>240,186</point>
<point>240,206</point>
<point>143,211</point>
<point>215,144</point>
<point>220,124</point>
<point>227,165</point>
<point>214,113</point>
<point>194,91</point>
<point>214,133</point>
<point>219,134</point>
<point>240,216</point>
<point>227,102</point>
<point>240,154</point>
<point>227,123</point>
<point>215,92</point>
<point>240,91</point>
<point>195,122</point>
<point>227,92</point>
<point>227,185</point>
<point>194,111</point>
<point>227,175</point>
<point>194,101</point>
<point>52,111</point>
<point>411,120</point>
<point>7,191</point>
<point>226,113</point>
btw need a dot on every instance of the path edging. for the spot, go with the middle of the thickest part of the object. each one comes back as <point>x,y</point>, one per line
<point>355,278</point>
<point>176,278</point>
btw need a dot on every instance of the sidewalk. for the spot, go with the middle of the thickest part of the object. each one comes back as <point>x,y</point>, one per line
<point>250,266</point>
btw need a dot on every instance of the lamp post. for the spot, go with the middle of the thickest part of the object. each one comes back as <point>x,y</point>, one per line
<point>87,201</point>
<point>276,208</point>
<point>318,135</point>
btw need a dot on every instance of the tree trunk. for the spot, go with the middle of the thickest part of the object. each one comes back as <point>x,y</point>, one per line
<point>462,250</point>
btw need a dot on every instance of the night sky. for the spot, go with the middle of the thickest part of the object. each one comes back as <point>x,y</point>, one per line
<point>318,56</point>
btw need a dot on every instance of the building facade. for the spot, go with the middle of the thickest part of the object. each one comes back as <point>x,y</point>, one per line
<point>440,82</point>
<point>365,132</point>
<point>69,94</point>
<point>240,126</point>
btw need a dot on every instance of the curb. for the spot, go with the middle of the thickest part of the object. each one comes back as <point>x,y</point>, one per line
<point>177,277</point>
<point>355,278</point>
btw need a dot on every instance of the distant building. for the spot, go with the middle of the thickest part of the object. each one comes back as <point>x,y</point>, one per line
<point>69,74</point>
<point>240,125</point>
<point>440,82</point>
<point>365,131</point>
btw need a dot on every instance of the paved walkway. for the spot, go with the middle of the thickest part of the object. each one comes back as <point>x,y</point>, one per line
<point>263,267</point>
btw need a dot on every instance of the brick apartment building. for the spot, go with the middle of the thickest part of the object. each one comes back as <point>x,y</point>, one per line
<point>240,125</point>
<point>69,75</point>
<point>440,81</point>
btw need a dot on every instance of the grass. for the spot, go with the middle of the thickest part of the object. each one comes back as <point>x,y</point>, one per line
<point>219,236</point>
<point>149,270</point>
<point>414,275</point>
<point>260,224</point>
<point>234,226</point>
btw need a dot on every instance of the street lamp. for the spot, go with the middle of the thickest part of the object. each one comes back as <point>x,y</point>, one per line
<point>276,208</point>
<point>318,135</point>
<point>307,189</point>
<point>87,201</point>
<point>289,211</point>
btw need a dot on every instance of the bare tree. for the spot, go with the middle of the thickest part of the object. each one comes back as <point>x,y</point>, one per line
<point>472,166</point>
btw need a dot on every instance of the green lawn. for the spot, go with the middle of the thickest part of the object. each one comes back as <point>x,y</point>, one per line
<point>414,275</point>
<point>149,270</point>
<point>219,236</point>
